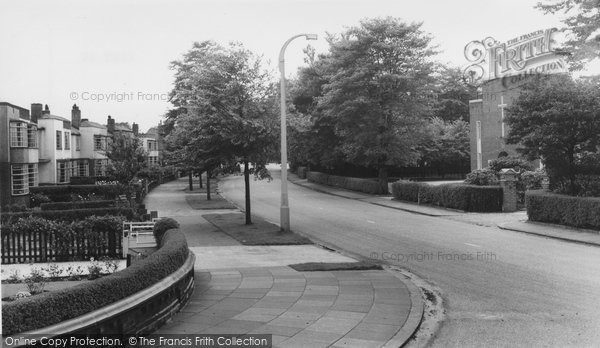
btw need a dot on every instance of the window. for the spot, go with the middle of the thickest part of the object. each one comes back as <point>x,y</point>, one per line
<point>58,140</point>
<point>32,140</point>
<point>100,167</point>
<point>18,134</point>
<point>153,160</point>
<point>99,143</point>
<point>63,171</point>
<point>19,179</point>
<point>67,141</point>
<point>80,168</point>
<point>77,143</point>
<point>152,145</point>
<point>33,174</point>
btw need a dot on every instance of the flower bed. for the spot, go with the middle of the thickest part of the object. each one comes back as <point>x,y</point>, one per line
<point>51,308</point>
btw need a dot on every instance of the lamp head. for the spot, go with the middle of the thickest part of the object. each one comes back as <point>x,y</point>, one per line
<point>311,36</point>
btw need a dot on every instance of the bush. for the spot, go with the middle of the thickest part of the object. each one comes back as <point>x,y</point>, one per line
<point>302,172</point>
<point>63,193</point>
<point>83,180</point>
<point>455,196</point>
<point>70,215</point>
<point>50,308</point>
<point>482,177</point>
<point>355,184</point>
<point>77,205</point>
<point>36,199</point>
<point>163,225</point>
<point>588,185</point>
<point>582,212</point>
<point>517,163</point>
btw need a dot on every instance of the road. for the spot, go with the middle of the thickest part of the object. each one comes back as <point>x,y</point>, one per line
<point>500,288</point>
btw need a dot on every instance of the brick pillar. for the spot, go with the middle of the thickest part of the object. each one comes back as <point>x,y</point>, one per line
<point>508,182</point>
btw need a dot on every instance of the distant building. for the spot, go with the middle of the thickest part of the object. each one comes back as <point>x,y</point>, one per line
<point>19,154</point>
<point>150,142</point>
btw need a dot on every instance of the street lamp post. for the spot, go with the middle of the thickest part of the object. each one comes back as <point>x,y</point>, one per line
<point>285,208</point>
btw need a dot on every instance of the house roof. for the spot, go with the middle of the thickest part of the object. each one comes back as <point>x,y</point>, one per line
<point>53,117</point>
<point>88,123</point>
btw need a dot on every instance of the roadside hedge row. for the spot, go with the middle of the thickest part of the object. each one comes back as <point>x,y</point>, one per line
<point>77,205</point>
<point>70,215</point>
<point>582,212</point>
<point>302,172</point>
<point>53,307</point>
<point>456,196</point>
<point>63,193</point>
<point>355,184</point>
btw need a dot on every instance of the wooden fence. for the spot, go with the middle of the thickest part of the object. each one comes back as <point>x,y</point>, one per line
<point>39,246</point>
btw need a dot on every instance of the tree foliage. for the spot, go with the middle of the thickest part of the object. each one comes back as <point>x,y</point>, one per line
<point>447,146</point>
<point>127,157</point>
<point>582,25</point>
<point>228,101</point>
<point>557,119</point>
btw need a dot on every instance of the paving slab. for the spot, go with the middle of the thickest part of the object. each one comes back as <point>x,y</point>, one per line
<point>250,289</point>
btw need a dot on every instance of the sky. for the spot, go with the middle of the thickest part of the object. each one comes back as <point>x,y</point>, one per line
<point>112,57</point>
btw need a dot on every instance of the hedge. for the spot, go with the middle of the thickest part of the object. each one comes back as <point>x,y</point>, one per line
<point>70,215</point>
<point>582,212</point>
<point>302,172</point>
<point>456,196</point>
<point>77,205</point>
<point>355,184</point>
<point>62,193</point>
<point>53,307</point>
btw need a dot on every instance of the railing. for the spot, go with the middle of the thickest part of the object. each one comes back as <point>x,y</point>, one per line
<point>41,246</point>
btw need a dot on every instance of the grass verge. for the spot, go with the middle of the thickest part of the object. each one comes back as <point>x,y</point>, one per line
<point>343,266</point>
<point>199,202</point>
<point>261,232</point>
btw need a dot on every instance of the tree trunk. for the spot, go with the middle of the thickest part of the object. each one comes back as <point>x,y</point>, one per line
<point>200,179</point>
<point>383,179</point>
<point>247,184</point>
<point>208,184</point>
<point>190,174</point>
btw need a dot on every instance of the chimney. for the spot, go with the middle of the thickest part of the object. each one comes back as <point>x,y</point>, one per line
<point>75,116</point>
<point>135,128</point>
<point>36,112</point>
<point>46,110</point>
<point>110,125</point>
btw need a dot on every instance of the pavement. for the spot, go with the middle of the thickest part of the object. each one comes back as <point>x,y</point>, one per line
<point>516,221</point>
<point>252,290</point>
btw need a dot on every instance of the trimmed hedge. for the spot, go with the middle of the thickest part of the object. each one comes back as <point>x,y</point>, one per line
<point>50,308</point>
<point>456,196</point>
<point>582,212</point>
<point>70,215</point>
<point>302,172</point>
<point>355,184</point>
<point>77,205</point>
<point>63,193</point>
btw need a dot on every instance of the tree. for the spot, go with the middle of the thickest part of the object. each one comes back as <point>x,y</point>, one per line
<point>127,158</point>
<point>376,75</point>
<point>229,101</point>
<point>583,27</point>
<point>447,147</point>
<point>452,95</point>
<point>556,119</point>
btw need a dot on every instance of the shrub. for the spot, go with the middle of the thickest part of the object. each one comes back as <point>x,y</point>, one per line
<point>482,177</point>
<point>583,212</point>
<point>83,180</point>
<point>50,308</point>
<point>77,205</point>
<point>163,225</point>
<point>70,215</point>
<point>455,196</point>
<point>588,185</point>
<point>302,172</point>
<point>63,193</point>
<point>36,199</point>
<point>517,163</point>
<point>356,184</point>
<point>35,281</point>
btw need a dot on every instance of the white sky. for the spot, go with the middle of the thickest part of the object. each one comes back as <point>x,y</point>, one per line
<point>51,50</point>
